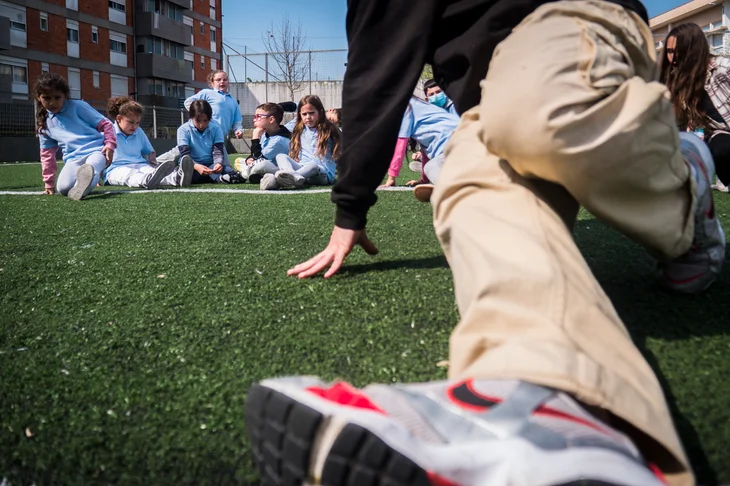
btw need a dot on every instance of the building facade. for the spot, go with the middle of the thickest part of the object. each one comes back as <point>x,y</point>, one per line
<point>713,16</point>
<point>158,51</point>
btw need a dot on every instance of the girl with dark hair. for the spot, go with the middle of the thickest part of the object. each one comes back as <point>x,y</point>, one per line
<point>134,162</point>
<point>700,87</point>
<point>313,150</point>
<point>82,133</point>
<point>200,143</point>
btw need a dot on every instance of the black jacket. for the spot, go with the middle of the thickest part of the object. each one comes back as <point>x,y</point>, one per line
<point>389,42</point>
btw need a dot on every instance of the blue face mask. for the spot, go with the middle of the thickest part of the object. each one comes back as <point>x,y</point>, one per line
<point>439,99</point>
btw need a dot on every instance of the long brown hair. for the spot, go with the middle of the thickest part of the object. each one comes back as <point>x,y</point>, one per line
<point>325,129</point>
<point>685,77</point>
<point>46,84</point>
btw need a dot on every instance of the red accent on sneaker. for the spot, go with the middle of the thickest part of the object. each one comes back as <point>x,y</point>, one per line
<point>658,473</point>
<point>542,410</point>
<point>437,480</point>
<point>686,280</point>
<point>345,394</point>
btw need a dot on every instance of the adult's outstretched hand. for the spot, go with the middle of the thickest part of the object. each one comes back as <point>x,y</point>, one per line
<point>341,244</point>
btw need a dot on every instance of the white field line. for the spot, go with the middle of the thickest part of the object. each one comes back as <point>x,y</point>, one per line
<point>213,191</point>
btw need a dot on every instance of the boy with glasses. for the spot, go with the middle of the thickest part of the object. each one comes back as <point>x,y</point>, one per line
<point>269,139</point>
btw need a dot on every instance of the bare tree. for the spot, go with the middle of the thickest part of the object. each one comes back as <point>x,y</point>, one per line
<point>286,44</point>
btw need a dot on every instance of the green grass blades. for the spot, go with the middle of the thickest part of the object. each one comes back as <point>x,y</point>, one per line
<point>131,326</point>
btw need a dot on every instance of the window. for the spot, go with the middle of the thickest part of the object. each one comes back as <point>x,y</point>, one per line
<point>45,68</point>
<point>96,79</point>
<point>716,40</point>
<point>202,28</point>
<point>72,4</point>
<point>20,75</point>
<point>17,71</point>
<point>212,34</point>
<point>202,62</point>
<point>213,64</point>
<point>212,12</point>
<point>17,26</point>
<point>117,46</point>
<point>74,82</point>
<point>119,85</point>
<point>117,6</point>
<point>94,34</point>
<point>72,35</point>
<point>154,86</point>
<point>44,21</point>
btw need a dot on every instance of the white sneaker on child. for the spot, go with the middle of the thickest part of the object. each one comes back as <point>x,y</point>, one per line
<point>289,179</point>
<point>84,178</point>
<point>700,266</point>
<point>161,171</point>
<point>719,186</point>
<point>269,183</point>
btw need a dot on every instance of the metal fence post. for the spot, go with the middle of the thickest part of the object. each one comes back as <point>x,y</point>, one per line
<point>310,72</point>
<point>266,82</point>
<point>154,122</point>
<point>182,117</point>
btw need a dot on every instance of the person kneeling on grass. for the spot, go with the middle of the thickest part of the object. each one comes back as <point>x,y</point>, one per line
<point>269,140</point>
<point>200,142</point>
<point>313,150</point>
<point>134,162</point>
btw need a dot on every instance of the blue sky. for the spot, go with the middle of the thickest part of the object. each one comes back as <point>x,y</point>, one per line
<point>323,21</point>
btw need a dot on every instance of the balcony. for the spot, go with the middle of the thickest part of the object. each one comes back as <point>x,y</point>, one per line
<point>157,66</point>
<point>152,24</point>
<point>186,4</point>
<point>4,33</point>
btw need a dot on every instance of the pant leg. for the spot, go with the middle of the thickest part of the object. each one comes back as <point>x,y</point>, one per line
<point>578,124</point>
<point>172,154</point>
<point>432,169</point>
<point>720,147</point>
<point>67,177</point>
<point>132,175</point>
<point>287,163</point>
<point>264,166</point>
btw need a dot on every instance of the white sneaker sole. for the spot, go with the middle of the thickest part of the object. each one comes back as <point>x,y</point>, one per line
<point>299,438</point>
<point>187,166</point>
<point>84,178</point>
<point>161,171</point>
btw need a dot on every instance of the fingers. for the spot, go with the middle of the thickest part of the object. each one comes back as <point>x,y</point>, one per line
<point>312,266</point>
<point>368,245</point>
<point>336,264</point>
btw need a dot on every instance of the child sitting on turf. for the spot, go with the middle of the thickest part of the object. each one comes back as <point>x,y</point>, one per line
<point>134,162</point>
<point>313,150</point>
<point>269,139</point>
<point>200,142</point>
<point>83,134</point>
<point>431,127</point>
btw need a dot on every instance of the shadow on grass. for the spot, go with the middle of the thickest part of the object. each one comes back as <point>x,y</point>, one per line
<point>387,265</point>
<point>625,271</point>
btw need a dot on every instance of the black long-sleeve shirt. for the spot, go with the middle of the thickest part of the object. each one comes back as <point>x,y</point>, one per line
<point>389,43</point>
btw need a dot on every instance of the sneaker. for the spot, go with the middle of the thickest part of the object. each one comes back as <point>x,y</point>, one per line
<point>700,266</point>
<point>269,183</point>
<point>84,178</point>
<point>423,192</point>
<point>161,171</point>
<point>185,171</point>
<point>256,178</point>
<point>289,179</point>
<point>416,166</point>
<point>232,178</point>
<point>719,186</point>
<point>487,432</point>
<point>240,164</point>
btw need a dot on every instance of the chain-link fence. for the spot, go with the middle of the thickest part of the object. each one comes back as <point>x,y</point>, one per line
<point>18,119</point>
<point>258,78</point>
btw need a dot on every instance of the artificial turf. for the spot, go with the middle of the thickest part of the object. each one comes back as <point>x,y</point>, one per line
<point>132,326</point>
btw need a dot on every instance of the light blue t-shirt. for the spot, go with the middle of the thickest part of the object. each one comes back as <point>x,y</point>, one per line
<point>73,129</point>
<point>225,108</point>
<point>131,149</point>
<point>201,144</point>
<point>430,125</point>
<point>290,124</point>
<point>451,108</point>
<point>309,141</point>
<point>271,146</point>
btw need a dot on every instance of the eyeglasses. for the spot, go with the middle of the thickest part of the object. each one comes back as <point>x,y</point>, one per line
<point>260,115</point>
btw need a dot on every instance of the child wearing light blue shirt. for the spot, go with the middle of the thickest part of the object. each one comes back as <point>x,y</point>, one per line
<point>200,140</point>
<point>82,133</point>
<point>268,141</point>
<point>134,162</point>
<point>313,150</point>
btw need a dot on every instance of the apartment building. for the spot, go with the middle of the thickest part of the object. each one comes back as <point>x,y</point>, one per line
<point>158,51</point>
<point>712,15</point>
